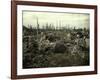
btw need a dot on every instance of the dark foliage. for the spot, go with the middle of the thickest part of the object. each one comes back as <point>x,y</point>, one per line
<point>54,47</point>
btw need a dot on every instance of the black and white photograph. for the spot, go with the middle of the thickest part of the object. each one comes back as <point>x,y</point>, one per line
<point>55,39</point>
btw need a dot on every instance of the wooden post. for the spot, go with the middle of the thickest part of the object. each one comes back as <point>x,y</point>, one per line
<point>37,29</point>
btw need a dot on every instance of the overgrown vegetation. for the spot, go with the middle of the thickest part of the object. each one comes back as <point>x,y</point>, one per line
<point>52,47</point>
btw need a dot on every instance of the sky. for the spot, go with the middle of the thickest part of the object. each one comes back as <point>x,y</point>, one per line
<point>59,19</point>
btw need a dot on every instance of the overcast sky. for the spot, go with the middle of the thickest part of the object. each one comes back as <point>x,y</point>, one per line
<point>72,19</point>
